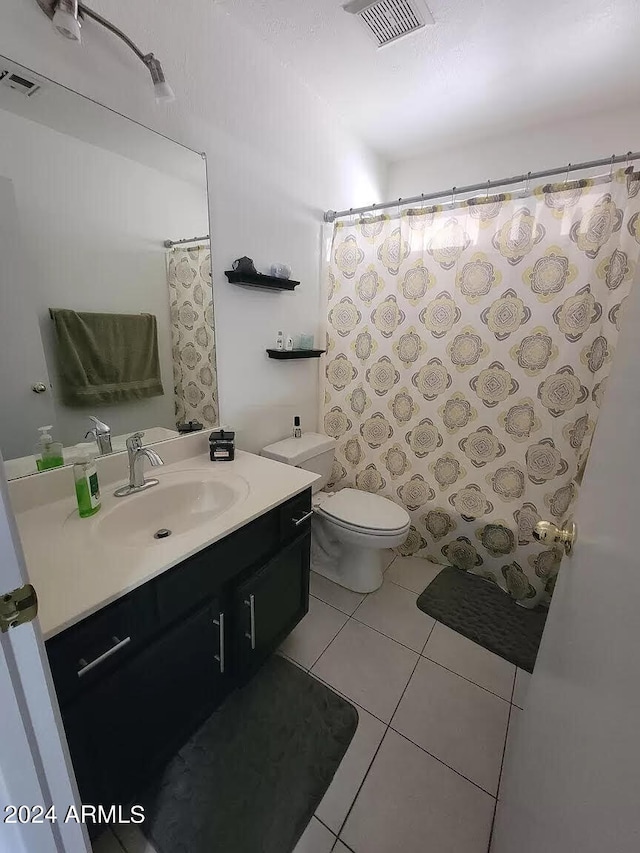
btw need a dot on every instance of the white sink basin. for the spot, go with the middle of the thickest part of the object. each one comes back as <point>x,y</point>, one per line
<point>181,502</point>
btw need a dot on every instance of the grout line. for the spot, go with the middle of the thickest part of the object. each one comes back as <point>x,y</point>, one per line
<point>402,586</point>
<point>440,761</point>
<point>378,631</point>
<point>464,677</point>
<point>504,752</point>
<point>324,824</point>
<point>330,641</point>
<point>388,726</point>
<point>333,606</point>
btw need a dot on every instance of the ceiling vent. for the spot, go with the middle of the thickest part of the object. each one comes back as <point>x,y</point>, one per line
<point>19,83</point>
<point>387,21</point>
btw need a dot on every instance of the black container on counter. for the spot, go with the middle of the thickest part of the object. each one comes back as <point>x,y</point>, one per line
<point>221,445</point>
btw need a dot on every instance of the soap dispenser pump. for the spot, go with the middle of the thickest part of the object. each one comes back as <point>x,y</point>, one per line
<point>48,452</point>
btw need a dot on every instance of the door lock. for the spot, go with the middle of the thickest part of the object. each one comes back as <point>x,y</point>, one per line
<point>551,534</point>
<point>18,607</point>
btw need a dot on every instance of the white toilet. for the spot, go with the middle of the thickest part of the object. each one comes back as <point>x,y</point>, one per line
<point>351,528</point>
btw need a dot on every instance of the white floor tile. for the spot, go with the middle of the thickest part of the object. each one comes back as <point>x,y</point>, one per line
<point>520,690</point>
<point>393,611</point>
<point>352,770</point>
<point>367,667</point>
<point>414,573</point>
<point>132,839</point>
<point>315,839</point>
<point>313,634</point>
<point>458,722</point>
<point>388,556</point>
<point>334,594</point>
<point>412,803</point>
<point>514,722</point>
<point>470,660</point>
<point>106,843</point>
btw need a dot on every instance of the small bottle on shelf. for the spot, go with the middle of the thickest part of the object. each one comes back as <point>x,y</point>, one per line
<point>297,429</point>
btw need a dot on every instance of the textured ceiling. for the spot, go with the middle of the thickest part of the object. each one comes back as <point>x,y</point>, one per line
<point>485,66</point>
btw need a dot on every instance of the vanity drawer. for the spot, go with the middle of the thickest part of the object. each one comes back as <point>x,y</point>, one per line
<point>295,516</point>
<point>87,651</point>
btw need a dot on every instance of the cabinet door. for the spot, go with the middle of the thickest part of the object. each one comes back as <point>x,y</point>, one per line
<point>271,602</point>
<point>131,721</point>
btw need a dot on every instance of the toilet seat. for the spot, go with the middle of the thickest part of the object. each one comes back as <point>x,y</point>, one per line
<point>364,512</point>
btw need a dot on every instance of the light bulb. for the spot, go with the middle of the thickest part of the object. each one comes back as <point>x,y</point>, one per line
<point>65,20</point>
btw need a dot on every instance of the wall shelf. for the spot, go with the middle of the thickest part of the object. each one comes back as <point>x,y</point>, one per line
<point>257,279</point>
<point>295,353</point>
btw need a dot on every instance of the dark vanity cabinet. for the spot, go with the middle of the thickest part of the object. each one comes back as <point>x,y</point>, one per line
<point>137,678</point>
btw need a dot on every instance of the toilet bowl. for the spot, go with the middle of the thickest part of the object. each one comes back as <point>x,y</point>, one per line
<point>350,528</point>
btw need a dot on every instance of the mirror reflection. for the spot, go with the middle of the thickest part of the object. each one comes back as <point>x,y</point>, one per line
<point>106,309</point>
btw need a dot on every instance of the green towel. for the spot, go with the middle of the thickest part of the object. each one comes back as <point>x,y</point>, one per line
<point>106,358</point>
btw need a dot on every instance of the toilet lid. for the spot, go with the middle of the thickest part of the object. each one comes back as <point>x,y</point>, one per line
<point>364,510</point>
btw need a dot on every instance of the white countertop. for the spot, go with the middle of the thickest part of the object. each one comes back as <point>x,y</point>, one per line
<point>75,573</point>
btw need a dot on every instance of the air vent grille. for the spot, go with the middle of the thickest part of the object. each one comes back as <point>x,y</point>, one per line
<point>389,20</point>
<point>19,83</point>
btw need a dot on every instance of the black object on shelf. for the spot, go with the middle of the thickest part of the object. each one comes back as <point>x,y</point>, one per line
<point>257,279</point>
<point>295,353</point>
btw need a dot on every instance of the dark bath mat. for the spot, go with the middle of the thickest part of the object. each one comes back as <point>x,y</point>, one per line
<point>484,613</point>
<point>251,778</point>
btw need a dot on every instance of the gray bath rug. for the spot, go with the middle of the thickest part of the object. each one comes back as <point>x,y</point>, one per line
<point>252,776</point>
<point>484,613</point>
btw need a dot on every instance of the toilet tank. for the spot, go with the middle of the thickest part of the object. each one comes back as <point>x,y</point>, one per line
<point>313,452</point>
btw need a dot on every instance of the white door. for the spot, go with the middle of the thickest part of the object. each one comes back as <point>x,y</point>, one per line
<point>22,411</point>
<point>35,769</point>
<point>572,770</point>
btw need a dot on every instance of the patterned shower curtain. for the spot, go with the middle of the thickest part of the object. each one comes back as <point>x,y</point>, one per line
<point>192,334</point>
<point>468,350</point>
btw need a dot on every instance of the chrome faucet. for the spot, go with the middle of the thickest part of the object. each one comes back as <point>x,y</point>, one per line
<point>102,434</point>
<point>137,455</point>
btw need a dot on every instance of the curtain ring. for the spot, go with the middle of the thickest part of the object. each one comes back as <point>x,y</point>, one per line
<point>488,188</point>
<point>526,183</point>
<point>613,160</point>
<point>453,195</point>
<point>566,177</point>
<point>627,162</point>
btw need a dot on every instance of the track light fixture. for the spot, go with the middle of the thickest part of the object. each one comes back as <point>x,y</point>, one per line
<point>67,16</point>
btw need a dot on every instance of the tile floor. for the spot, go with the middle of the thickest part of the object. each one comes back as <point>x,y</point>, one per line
<point>423,770</point>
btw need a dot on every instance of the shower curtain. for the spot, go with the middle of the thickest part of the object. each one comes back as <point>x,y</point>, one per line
<point>192,334</point>
<point>468,349</point>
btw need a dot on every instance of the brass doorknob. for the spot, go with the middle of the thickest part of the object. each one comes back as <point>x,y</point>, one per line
<point>551,534</point>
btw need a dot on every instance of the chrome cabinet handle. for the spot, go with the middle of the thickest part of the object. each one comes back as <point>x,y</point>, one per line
<point>305,517</point>
<point>87,667</point>
<point>220,658</point>
<point>251,635</point>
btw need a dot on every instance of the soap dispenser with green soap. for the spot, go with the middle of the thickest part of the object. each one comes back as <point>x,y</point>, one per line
<point>48,452</point>
<point>85,475</point>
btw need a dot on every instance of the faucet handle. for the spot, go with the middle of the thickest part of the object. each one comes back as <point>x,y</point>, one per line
<point>100,428</point>
<point>134,442</point>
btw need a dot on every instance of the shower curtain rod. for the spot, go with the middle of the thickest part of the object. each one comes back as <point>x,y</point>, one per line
<point>332,215</point>
<point>168,244</point>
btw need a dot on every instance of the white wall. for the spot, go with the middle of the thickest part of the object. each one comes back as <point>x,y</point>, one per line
<point>277,158</point>
<point>517,152</point>
<point>93,223</point>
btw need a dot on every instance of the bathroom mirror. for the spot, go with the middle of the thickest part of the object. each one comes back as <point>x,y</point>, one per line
<point>99,316</point>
